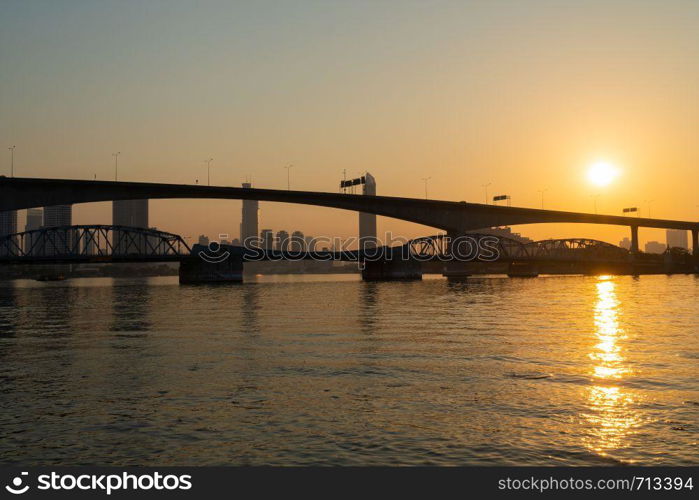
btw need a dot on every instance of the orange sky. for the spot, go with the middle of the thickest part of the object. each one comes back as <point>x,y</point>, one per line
<point>523,95</point>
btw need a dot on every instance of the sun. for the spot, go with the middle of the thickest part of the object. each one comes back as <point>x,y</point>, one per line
<point>602,173</point>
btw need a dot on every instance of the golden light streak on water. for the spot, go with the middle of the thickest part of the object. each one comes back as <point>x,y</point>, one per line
<point>611,417</point>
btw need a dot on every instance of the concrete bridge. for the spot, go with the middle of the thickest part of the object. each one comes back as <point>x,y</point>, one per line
<point>454,217</point>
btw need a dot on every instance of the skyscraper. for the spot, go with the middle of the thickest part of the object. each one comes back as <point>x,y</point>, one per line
<point>677,238</point>
<point>58,215</point>
<point>298,243</point>
<point>8,225</point>
<point>267,237</point>
<point>248,225</point>
<point>8,222</point>
<point>61,242</point>
<point>131,213</point>
<point>35,219</point>
<point>367,222</point>
<point>282,240</point>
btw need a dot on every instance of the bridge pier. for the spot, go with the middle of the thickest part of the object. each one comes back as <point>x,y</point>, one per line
<point>213,264</point>
<point>695,248</point>
<point>522,269</point>
<point>391,264</point>
<point>391,270</point>
<point>456,270</point>
<point>634,251</point>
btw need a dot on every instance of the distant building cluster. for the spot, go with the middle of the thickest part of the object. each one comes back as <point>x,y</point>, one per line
<point>675,238</point>
<point>504,232</point>
<point>132,213</point>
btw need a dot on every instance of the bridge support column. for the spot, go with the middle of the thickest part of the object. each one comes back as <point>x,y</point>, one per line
<point>695,248</point>
<point>455,269</point>
<point>206,265</point>
<point>392,264</point>
<point>392,270</point>
<point>634,251</point>
<point>634,241</point>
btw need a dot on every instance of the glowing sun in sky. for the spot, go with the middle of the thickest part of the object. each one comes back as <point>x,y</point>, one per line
<point>602,173</point>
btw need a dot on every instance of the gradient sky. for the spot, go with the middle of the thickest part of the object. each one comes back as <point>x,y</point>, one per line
<point>520,94</point>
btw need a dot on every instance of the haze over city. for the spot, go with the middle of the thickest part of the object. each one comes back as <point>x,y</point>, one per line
<point>525,99</point>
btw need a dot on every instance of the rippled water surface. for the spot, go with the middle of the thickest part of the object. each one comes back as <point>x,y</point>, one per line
<point>331,370</point>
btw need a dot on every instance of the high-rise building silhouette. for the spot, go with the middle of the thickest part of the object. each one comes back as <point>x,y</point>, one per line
<point>62,241</point>
<point>367,222</point>
<point>35,219</point>
<point>298,243</point>
<point>8,225</point>
<point>282,240</point>
<point>248,224</point>
<point>131,213</point>
<point>677,238</point>
<point>58,215</point>
<point>267,239</point>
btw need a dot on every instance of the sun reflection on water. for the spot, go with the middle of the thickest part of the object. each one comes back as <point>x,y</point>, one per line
<point>611,417</point>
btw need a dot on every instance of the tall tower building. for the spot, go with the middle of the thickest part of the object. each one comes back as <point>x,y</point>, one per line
<point>367,222</point>
<point>677,238</point>
<point>35,219</point>
<point>8,222</point>
<point>58,215</point>
<point>248,225</point>
<point>131,213</point>
<point>267,237</point>
<point>298,243</point>
<point>8,225</point>
<point>282,240</point>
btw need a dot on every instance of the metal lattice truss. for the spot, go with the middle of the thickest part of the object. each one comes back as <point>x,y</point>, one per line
<point>442,247</point>
<point>92,243</point>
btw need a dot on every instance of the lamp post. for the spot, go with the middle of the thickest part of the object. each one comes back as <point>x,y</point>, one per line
<point>116,164</point>
<point>208,170</point>
<point>486,191</point>
<point>12,160</point>
<point>288,176</point>
<point>542,191</point>
<point>649,202</point>
<point>594,197</point>
<point>425,179</point>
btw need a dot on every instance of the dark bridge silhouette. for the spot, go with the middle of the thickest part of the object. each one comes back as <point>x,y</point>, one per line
<point>92,244</point>
<point>453,217</point>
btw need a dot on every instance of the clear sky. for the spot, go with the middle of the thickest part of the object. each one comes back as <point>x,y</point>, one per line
<point>521,94</point>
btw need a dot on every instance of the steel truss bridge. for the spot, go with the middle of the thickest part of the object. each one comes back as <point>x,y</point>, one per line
<point>489,247</point>
<point>109,243</point>
<point>92,244</point>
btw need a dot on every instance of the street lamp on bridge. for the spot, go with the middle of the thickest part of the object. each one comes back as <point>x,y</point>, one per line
<point>208,170</point>
<point>116,164</point>
<point>425,179</point>
<point>486,191</point>
<point>542,191</point>
<point>288,176</point>
<point>12,160</point>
